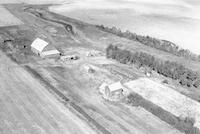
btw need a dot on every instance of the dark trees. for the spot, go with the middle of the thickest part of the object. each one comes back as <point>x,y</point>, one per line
<point>169,69</point>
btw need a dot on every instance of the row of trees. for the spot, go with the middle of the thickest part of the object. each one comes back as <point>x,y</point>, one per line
<point>169,69</point>
<point>163,45</point>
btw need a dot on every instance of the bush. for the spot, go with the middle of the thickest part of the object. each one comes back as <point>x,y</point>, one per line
<point>165,82</point>
<point>197,83</point>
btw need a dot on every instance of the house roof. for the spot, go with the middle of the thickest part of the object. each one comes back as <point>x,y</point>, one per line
<point>115,86</point>
<point>39,44</point>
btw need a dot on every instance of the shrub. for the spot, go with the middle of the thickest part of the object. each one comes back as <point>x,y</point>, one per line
<point>165,82</point>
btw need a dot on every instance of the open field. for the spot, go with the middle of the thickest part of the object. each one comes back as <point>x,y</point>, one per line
<point>166,98</point>
<point>7,19</point>
<point>27,107</point>
<point>176,21</point>
<point>32,1</point>
<point>77,87</point>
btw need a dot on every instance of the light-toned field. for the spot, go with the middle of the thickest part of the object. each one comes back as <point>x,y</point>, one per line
<point>176,21</point>
<point>166,98</point>
<point>32,1</point>
<point>7,19</point>
<point>28,108</point>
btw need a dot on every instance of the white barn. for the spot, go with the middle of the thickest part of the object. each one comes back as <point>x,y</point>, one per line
<point>42,48</point>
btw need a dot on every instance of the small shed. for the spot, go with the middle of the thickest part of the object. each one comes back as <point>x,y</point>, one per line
<point>115,89</point>
<point>42,48</point>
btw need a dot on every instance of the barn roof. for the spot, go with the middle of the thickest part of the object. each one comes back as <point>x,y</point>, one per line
<point>50,52</point>
<point>115,86</point>
<point>39,44</point>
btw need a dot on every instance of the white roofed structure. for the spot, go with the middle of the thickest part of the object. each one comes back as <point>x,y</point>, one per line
<point>50,53</point>
<point>39,45</point>
<point>112,90</point>
<point>115,87</point>
<point>42,48</point>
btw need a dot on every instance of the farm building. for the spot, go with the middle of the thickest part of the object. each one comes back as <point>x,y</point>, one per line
<point>114,90</point>
<point>89,68</point>
<point>42,48</point>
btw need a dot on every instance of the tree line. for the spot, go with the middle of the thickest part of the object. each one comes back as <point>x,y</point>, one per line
<point>163,45</point>
<point>170,69</point>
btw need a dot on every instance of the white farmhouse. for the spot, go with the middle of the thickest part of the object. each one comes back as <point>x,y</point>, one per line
<point>42,48</point>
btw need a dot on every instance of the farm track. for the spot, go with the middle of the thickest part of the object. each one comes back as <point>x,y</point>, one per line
<point>67,27</point>
<point>125,74</point>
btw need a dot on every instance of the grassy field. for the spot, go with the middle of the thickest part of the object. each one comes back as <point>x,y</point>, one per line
<point>176,21</point>
<point>7,19</point>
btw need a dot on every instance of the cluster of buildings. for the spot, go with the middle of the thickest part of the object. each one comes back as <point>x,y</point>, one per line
<point>40,47</point>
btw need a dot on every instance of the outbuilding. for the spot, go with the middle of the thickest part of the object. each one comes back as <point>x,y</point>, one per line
<point>109,91</point>
<point>114,89</point>
<point>44,49</point>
